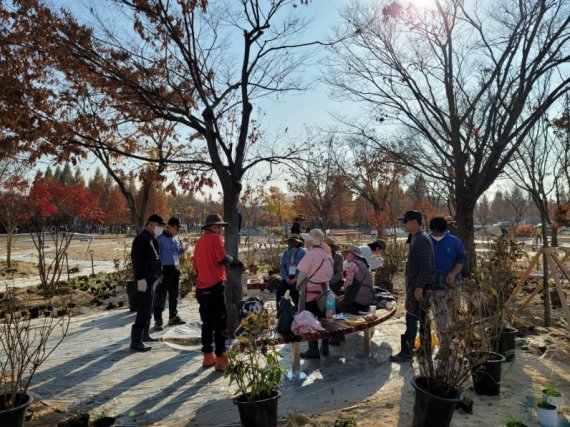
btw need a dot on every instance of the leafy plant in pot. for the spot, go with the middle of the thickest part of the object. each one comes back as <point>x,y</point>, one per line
<point>253,365</point>
<point>552,394</point>
<point>547,412</point>
<point>24,347</point>
<point>445,374</point>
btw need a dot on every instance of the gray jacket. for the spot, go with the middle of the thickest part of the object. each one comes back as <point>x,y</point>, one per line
<point>420,267</point>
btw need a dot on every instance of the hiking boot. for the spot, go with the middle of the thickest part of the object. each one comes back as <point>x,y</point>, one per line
<point>402,357</point>
<point>139,346</point>
<point>209,360</point>
<point>334,340</point>
<point>405,355</point>
<point>312,352</point>
<point>221,362</point>
<point>148,338</point>
<point>176,321</point>
<point>158,325</point>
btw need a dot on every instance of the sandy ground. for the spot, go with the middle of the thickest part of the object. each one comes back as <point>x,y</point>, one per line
<point>94,371</point>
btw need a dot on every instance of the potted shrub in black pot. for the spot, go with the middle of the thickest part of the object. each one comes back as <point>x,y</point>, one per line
<point>491,284</point>
<point>24,347</point>
<point>254,367</point>
<point>498,282</point>
<point>445,371</point>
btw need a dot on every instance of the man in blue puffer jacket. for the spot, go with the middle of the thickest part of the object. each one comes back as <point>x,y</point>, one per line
<point>449,258</point>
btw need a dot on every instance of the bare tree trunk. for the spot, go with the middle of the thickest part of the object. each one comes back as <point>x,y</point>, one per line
<point>233,289</point>
<point>466,231</point>
<point>546,287</point>
<point>10,233</point>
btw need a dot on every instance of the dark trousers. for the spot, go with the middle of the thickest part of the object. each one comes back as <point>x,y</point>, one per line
<point>145,301</point>
<point>283,287</point>
<point>170,285</point>
<point>214,318</point>
<point>417,311</point>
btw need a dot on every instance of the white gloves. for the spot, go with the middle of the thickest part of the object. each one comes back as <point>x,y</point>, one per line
<point>141,285</point>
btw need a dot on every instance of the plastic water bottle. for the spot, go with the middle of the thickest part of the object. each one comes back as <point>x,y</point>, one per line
<point>331,304</point>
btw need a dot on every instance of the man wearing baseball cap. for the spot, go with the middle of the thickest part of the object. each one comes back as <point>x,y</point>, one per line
<point>171,249</point>
<point>147,273</point>
<point>420,274</point>
<point>297,221</point>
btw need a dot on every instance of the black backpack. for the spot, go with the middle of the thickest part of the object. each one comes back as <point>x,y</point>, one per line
<point>285,314</point>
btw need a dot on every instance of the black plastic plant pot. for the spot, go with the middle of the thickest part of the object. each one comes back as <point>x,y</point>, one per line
<point>431,410</point>
<point>14,417</point>
<point>507,345</point>
<point>487,375</point>
<point>260,413</point>
<point>104,422</point>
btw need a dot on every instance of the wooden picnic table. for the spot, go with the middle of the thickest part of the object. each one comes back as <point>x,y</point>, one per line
<point>332,327</point>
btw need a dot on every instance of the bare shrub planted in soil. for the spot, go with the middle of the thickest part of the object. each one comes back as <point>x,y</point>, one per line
<point>25,345</point>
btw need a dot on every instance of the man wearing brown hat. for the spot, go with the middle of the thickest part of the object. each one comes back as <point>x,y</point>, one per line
<point>210,260</point>
<point>147,272</point>
<point>420,275</point>
<point>288,269</point>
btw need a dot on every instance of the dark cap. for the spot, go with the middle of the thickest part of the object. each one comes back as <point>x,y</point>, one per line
<point>174,221</point>
<point>156,218</point>
<point>411,215</point>
<point>299,217</point>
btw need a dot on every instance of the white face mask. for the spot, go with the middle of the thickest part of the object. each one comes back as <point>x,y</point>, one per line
<point>437,238</point>
<point>158,230</point>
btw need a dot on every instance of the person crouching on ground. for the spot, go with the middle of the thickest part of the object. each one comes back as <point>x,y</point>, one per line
<point>419,281</point>
<point>147,273</point>
<point>288,268</point>
<point>171,249</point>
<point>210,260</point>
<point>317,267</point>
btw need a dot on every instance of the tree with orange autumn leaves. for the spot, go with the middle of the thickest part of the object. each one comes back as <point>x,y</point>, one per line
<point>375,176</point>
<point>54,209</point>
<point>173,67</point>
<point>14,209</point>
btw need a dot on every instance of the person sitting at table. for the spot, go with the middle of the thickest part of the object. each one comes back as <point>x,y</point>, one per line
<point>337,280</point>
<point>358,290</point>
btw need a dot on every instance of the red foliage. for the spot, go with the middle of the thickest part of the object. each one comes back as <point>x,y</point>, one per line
<point>50,199</point>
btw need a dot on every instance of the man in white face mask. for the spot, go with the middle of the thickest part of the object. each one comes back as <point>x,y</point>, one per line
<point>449,258</point>
<point>147,272</point>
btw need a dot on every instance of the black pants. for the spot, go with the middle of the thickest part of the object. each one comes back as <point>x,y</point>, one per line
<point>170,285</point>
<point>145,301</point>
<point>214,318</point>
<point>417,311</point>
<point>283,287</point>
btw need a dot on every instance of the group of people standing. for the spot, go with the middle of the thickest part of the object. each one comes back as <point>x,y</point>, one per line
<point>310,266</point>
<point>155,257</point>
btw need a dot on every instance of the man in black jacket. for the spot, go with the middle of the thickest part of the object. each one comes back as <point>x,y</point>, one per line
<point>147,271</point>
<point>420,273</point>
